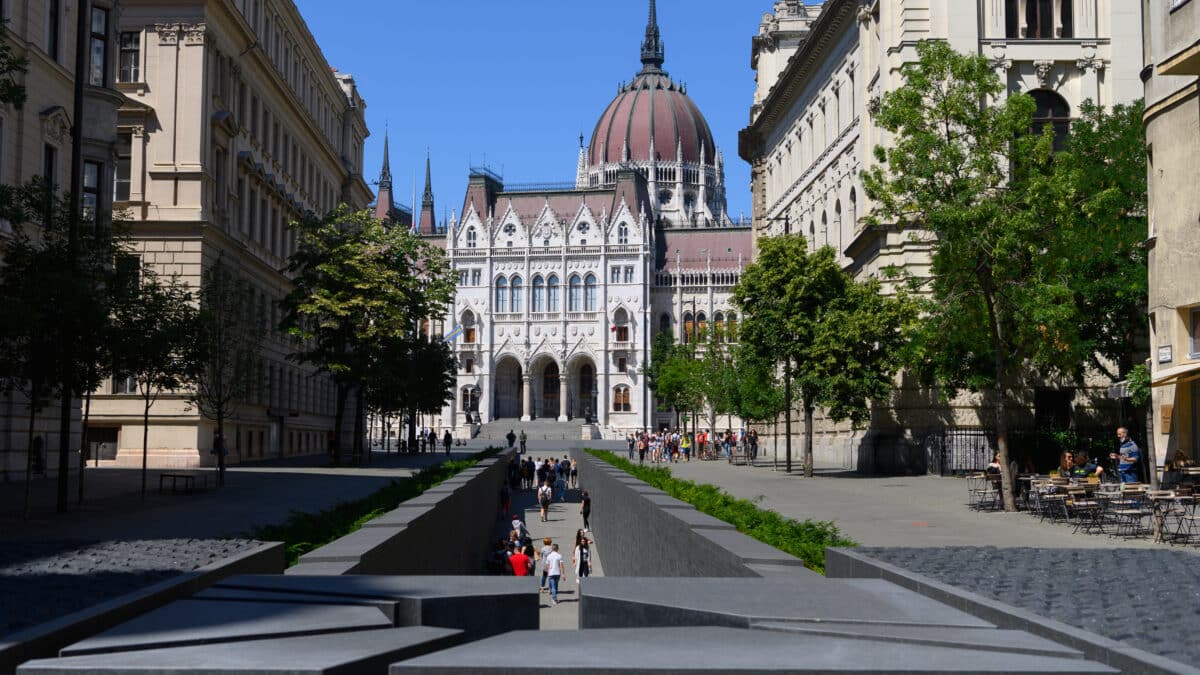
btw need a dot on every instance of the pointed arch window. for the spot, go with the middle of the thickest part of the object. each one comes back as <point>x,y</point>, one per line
<point>719,320</point>
<point>589,293</point>
<point>622,234</point>
<point>501,295</point>
<point>701,325</point>
<point>689,327</point>
<point>731,327</point>
<point>472,237</point>
<point>621,402</point>
<point>538,299</point>
<point>664,323</point>
<point>516,295</point>
<point>468,327</point>
<point>575,294</point>
<point>552,292</point>
<point>1052,110</point>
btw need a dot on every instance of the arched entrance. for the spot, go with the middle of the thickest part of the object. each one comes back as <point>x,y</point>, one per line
<point>548,404</point>
<point>508,389</point>
<point>581,403</point>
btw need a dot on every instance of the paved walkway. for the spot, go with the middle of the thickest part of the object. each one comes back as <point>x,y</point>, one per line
<point>912,511</point>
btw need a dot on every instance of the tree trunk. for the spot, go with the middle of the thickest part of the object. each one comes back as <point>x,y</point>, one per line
<point>386,422</point>
<point>338,419</point>
<point>1151,458</point>
<point>787,419</point>
<point>808,439</point>
<point>33,388</point>
<point>83,431</point>
<point>412,431</point>
<point>999,369</point>
<point>775,443</point>
<point>145,441</point>
<point>221,450</point>
<point>359,416</point>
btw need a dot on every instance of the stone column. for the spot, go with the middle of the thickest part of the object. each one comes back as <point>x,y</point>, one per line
<point>527,398</point>
<point>563,384</point>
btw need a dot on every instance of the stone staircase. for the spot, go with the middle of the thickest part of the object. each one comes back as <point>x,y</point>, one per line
<point>537,430</point>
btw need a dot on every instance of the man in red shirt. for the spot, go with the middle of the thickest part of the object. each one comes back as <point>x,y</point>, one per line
<point>520,562</point>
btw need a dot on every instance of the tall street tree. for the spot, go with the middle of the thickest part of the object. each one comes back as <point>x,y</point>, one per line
<point>230,337</point>
<point>967,167</point>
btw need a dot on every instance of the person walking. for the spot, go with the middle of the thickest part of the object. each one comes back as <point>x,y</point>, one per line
<point>547,548</point>
<point>522,565</point>
<point>1130,455</point>
<point>752,438</point>
<point>545,496</point>
<point>632,443</point>
<point>582,559</point>
<point>585,509</point>
<point>523,438</point>
<point>554,570</point>
<point>447,440</point>
<point>511,437</point>
<point>561,471</point>
<point>642,444</point>
<point>574,474</point>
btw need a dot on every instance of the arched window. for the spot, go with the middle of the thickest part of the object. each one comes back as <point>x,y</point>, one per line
<point>701,324</point>
<point>501,295</point>
<point>854,209</point>
<point>1039,19</point>
<point>664,323</point>
<point>824,227</point>
<point>575,294</point>
<point>471,237</point>
<point>620,327</point>
<point>468,326</point>
<point>539,294</point>
<point>689,328</point>
<point>552,293</point>
<point>622,234</point>
<point>589,293</point>
<point>1052,110</point>
<point>516,295</point>
<point>731,330</point>
<point>621,399</point>
<point>719,320</point>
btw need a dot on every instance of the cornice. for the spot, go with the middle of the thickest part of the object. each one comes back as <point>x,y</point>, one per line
<point>824,32</point>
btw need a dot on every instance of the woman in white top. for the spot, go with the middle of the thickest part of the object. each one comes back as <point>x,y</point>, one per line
<point>582,558</point>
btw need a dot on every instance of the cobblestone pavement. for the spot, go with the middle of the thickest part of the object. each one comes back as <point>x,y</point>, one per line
<point>40,581</point>
<point>1147,598</point>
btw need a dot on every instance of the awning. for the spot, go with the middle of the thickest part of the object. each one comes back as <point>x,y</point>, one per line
<point>1177,375</point>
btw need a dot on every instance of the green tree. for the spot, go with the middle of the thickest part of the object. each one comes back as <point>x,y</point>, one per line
<point>965,168</point>
<point>155,342</point>
<point>229,339</point>
<point>840,342</point>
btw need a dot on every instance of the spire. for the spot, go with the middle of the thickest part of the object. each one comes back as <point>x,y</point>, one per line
<point>427,196</point>
<point>384,206</point>
<point>428,221</point>
<point>652,46</point>
<point>385,175</point>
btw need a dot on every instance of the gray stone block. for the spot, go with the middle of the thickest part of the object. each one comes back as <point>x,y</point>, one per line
<point>665,501</point>
<point>697,520</point>
<point>707,650</point>
<point>194,622</point>
<point>400,516</point>
<point>967,638</point>
<point>329,569</point>
<point>390,608</point>
<point>363,652</point>
<point>368,546</point>
<point>749,549</point>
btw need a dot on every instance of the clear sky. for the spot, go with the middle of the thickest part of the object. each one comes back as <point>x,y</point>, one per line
<point>515,83</point>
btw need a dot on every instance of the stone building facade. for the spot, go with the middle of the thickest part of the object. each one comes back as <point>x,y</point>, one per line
<point>1172,58</point>
<point>811,135</point>
<point>35,140</point>
<point>563,287</point>
<point>234,126</point>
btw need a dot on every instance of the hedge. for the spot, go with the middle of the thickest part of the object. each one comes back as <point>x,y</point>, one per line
<point>806,540</point>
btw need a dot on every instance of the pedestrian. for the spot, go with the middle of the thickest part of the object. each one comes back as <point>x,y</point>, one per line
<point>547,548</point>
<point>545,496</point>
<point>582,559</point>
<point>448,440</point>
<point>632,443</point>
<point>642,446</point>
<point>752,437</point>
<point>522,565</point>
<point>518,526</point>
<point>585,509</point>
<point>554,568</point>
<point>1130,455</point>
<point>505,498</point>
<point>685,446</point>
<point>523,439</point>
<point>574,474</point>
<point>561,471</point>
<point>511,438</point>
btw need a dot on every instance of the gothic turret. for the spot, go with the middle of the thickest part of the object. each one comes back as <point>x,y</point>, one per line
<point>428,222</point>
<point>384,203</point>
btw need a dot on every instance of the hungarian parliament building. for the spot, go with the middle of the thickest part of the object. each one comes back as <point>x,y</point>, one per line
<point>562,288</point>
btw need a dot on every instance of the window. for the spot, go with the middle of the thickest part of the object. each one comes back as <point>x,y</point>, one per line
<point>471,237</point>
<point>623,234</point>
<point>538,299</point>
<point>468,326</point>
<point>689,325</point>
<point>468,365</point>
<point>552,293</point>
<point>476,275</point>
<point>130,66</point>
<point>516,295</point>
<point>54,29</point>
<point>664,323</point>
<point>1039,19</point>
<point>98,75</point>
<point>546,242</point>
<point>719,319</point>
<point>731,327</point>
<point>124,384</point>
<point>589,294</point>
<point>620,327</point>
<point>629,275</point>
<point>501,295</point>
<point>615,276</point>
<point>701,324</point>
<point>462,277</point>
<point>622,364</point>
<point>93,173</point>
<point>575,294</point>
<point>219,189</point>
<point>1052,110</point>
<point>124,167</point>
<point>622,333</point>
<point>621,399</point>
<point>1195,323</point>
<point>50,164</point>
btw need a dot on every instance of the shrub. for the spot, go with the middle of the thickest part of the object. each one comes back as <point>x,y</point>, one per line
<point>303,532</point>
<point>806,540</point>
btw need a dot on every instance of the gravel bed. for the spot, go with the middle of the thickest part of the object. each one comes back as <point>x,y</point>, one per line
<point>44,580</point>
<point>1147,598</point>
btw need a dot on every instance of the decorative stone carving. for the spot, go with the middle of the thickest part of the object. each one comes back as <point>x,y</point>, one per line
<point>1042,69</point>
<point>1094,62</point>
<point>168,33</point>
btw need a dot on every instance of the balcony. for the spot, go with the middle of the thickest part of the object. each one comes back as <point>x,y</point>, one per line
<point>583,316</point>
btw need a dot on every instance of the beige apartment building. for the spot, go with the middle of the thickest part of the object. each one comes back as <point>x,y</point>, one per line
<point>35,140</point>
<point>234,126</point>
<point>820,68</point>
<point>1172,77</point>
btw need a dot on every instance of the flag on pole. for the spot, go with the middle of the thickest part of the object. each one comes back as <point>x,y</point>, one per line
<point>454,334</point>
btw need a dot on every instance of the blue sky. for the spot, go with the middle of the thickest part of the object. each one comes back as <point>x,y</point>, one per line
<point>515,83</point>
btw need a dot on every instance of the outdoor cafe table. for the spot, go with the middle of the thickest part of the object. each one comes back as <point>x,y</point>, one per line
<point>1160,503</point>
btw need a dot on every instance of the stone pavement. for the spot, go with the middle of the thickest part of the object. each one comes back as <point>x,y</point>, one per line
<point>913,511</point>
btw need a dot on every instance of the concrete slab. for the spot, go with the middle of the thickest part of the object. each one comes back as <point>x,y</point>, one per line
<point>329,569</point>
<point>353,653</point>
<point>749,549</point>
<point>391,608</point>
<point>357,546</point>
<point>695,519</point>
<point>193,622</point>
<point>968,638</point>
<point>666,501</point>
<point>714,649</point>
<point>400,516</point>
<point>613,602</point>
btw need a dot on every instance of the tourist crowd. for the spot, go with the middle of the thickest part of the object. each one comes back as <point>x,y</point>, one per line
<point>682,446</point>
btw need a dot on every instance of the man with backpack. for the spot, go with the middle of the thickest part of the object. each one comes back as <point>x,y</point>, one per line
<point>545,496</point>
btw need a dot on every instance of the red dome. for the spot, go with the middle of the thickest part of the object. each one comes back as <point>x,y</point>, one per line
<point>651,107</point>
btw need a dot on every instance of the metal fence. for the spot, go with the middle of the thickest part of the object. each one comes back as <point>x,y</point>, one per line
<point>955,451</point>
